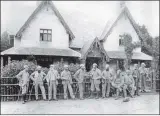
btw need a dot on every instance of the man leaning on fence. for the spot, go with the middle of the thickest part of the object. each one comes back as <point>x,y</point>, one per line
<point>38,77</point>
<point>23,78</point>
<point>79,76</point>
<point>67,81</point>
<point>51,78</point>
<point>95,80</point>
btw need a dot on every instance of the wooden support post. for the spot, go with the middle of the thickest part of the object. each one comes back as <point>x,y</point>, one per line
<point>154,80</point>
<point>9,59</point>
<point>1,63</point>
<point>117,64</point>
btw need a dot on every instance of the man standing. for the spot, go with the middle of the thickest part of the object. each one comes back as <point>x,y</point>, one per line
<point>38,77</point>
<point>95,80</point>
<point>51,78</point>
<point>118,82</point>
<point>67,81</point>
<point>23,78</point>
<point>129,84</point>
<point>136,76</point>
<point>79,76</point>
<point>142,70</point>
<point>106,81</point>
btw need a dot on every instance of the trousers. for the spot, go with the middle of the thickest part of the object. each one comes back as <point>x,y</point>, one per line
<point>66,84</point>
<point>104,85</point>
<point>37,85</point>
<point>80,86</point>
<point>95,85</point>
<point>52,88</point>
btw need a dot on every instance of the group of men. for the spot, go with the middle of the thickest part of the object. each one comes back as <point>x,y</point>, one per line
<point>123,80</point>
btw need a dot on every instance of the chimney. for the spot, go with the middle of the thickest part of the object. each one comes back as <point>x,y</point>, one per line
<point>11,40</point>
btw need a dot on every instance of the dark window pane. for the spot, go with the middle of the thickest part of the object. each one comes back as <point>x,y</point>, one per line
<point>41,37</point>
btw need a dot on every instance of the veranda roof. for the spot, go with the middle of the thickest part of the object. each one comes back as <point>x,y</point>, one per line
<point>121,55</point>
<point>41,51</point>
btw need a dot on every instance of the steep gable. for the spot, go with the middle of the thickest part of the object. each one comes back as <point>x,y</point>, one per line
<point>124,12</point>
<point>19,33</point>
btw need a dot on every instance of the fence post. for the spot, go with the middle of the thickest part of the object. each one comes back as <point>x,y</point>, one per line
<point>154,80</point>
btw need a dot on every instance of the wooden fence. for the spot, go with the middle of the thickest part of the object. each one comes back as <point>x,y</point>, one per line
<point>10,88</point>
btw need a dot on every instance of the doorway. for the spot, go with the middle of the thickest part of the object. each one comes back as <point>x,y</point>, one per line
<point>91,60</point>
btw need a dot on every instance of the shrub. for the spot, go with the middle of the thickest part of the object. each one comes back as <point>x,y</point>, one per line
<point>15,67</point>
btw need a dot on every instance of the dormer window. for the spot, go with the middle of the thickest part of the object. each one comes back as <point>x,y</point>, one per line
<point>46,35</point>
<point>121,40</point>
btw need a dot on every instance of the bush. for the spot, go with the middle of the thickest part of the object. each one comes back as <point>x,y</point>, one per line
<point>15,67</point>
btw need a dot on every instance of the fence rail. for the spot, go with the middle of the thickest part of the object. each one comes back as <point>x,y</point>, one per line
<point>10,88</point>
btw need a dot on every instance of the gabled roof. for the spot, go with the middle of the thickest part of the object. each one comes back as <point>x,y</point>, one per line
<point>125,11</point>
<point>68,30</point>
<point>89,45</point>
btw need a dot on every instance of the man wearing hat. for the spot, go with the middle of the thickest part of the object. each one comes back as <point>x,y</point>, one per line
<point>143,73</point>
<point>67,81</point>
<point>118,82</point>
<point>23,78</point>
<point>95,80</point>
<point>136,76</point>
<point>129,84</point>
<point>38,77</point>
<point>106,81</point>
<point>79,76</point>
<point>51,78</point>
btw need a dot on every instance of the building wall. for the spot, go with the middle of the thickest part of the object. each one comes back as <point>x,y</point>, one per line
<point>45,20</point>
<point>123,26</point>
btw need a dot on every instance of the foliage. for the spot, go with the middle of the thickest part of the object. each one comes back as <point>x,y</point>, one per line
<point>5,41</point>
<point>129,46</point>
<point>15,67</point>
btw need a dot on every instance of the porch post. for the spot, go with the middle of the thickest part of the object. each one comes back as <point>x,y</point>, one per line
<point>154,80</point>
<point>117,64</point>
<point>9,59</point>
<point>1,63</point>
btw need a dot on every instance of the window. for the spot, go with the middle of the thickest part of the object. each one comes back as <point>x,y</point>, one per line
<point>46,35</point>
<point>121,42</point>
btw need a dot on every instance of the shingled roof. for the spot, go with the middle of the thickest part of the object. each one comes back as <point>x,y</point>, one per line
<point>41,51</point>
<point>125,11</point>
<point>68,30</point>
<point>122,55</point>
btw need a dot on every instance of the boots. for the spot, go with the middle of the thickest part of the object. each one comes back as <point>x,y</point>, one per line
<point>91,95</point>
<point>98,94</point>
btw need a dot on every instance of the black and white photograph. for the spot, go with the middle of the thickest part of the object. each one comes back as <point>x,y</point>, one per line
<point>79,58</point>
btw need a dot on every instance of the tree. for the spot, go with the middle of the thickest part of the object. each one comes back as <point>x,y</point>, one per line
<point>5,41</point>
<point>129,46</point>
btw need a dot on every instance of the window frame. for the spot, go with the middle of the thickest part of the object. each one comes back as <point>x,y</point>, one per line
<point>45,32</point>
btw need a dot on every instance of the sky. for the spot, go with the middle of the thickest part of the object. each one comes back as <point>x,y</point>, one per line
<point>87,19</point>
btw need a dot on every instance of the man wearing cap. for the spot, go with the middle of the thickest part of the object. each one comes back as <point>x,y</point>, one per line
<point>79,76</point>
<point>23,78</point>
<point>67,81</point>
<point>143,72</point>
<point>118,82</point>
<point>95,80</point>
<point>51,78</point>
<point>136,76</point>
<point>38,77</point>
<point>106,81</point>
<point>128,84</point>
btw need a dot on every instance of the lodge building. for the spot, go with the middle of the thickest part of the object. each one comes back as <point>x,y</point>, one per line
<point>47,36</point>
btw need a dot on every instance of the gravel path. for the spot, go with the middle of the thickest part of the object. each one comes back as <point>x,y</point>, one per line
<point>144,104</point>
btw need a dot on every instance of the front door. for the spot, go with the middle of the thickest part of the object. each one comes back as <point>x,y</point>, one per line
<point>91,60</point>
